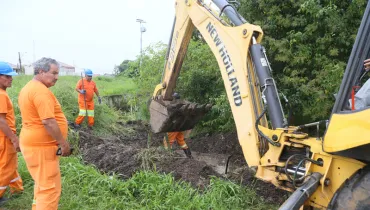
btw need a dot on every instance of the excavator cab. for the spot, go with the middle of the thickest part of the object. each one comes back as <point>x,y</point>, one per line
<point>348,133</point>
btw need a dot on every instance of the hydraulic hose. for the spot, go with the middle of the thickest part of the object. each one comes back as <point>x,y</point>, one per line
<point>277,144</point>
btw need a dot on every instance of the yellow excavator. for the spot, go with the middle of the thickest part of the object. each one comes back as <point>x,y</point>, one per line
<point>323,172</point>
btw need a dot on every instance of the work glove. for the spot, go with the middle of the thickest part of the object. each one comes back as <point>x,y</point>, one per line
<point>82,91</point>
<point>99,99</point>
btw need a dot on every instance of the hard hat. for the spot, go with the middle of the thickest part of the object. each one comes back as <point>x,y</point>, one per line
<point>88,72</point>
<point>176,95</point>
<point>6,69</point>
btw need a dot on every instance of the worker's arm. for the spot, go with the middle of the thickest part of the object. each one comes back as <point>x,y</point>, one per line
<point>79,88</point>
<point>97,93</point>
<point>4,127</point>
<point>367,64</point>
<point>81,91</point>
<point>52,128</point>
<point>45,106</point>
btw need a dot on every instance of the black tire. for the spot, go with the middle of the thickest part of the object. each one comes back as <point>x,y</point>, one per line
<point>354,194</point>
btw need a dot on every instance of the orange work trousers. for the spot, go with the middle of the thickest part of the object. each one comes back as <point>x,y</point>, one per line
<point>43,165</point>
<point>175,136</point>
<point>82,113</point>
<point>8,167</point>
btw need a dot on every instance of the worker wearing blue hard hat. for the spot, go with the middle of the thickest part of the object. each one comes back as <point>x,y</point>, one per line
<point>88,72</point>
<point>86,89</point>
<point>6,69</point>
<point>9,143</point>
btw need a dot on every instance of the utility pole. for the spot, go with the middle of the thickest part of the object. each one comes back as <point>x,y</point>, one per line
<point>142,30</point>
<point>34,54</point>
<point>20,63</point>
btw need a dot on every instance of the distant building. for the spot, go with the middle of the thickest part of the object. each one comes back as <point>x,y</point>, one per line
<point>64,69</point>
<point>109,75</point>
<point>28,69</point>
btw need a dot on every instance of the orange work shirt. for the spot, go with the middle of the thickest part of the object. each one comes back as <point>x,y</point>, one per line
<point>6,107</point>
<point>90,88</point>
<point>38,103</point>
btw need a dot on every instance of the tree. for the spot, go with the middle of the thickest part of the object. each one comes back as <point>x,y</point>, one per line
<point>124,65</point>
<point>308,43</point>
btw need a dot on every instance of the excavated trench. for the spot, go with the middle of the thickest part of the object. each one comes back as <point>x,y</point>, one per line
<point>127,153</point>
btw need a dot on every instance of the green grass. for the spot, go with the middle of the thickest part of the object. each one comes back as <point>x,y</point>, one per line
<point>84,187</point>
<point>115,86</point>
<point>64,90</point>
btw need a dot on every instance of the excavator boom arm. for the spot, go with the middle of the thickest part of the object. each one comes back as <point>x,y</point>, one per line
<point>236,48</point>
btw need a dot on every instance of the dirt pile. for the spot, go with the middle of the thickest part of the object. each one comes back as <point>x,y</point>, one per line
<point>132,151</point>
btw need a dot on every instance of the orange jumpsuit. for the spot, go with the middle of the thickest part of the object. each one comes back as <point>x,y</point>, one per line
<point>90,88</point>
<point>175,136</point>
<point>8,155</point>
<point>38,103</point>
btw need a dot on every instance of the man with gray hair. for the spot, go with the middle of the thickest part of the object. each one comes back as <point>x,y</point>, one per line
<point>44,128</point>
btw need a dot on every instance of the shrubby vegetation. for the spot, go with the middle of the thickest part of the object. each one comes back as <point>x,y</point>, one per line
<point>308,44</point>
<point>85,187</point>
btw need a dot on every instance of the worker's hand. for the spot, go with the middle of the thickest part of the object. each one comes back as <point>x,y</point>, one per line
<point>66,150</point>
<point>99,99</point>
<point>367,64</point>
<point>15,142</point>
<point>82,91</point>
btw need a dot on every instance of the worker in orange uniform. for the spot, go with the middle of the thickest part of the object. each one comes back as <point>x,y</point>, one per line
<point>86,89</point>
<point>177,136</point>
<point>44,129</point>
<point>9,144</point>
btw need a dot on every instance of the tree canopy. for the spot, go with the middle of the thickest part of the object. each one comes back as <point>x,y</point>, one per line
<point>308,43</point>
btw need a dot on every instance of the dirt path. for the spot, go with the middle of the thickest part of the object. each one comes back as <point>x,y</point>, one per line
<point>129,152</point>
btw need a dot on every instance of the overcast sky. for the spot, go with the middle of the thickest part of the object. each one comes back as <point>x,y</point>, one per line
<point>85,33</point>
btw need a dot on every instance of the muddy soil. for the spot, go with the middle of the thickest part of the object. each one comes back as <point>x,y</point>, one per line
<point>127,153</point>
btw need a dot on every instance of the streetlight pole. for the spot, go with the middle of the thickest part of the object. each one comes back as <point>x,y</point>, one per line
<point>142,30</point>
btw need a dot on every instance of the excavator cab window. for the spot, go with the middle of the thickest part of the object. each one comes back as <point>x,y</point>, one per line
<point>351,97</point>
<point>354,92</point>
<point>360,93</point>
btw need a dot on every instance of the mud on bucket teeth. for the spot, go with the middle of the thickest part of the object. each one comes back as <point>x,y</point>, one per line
<point>176,115</point>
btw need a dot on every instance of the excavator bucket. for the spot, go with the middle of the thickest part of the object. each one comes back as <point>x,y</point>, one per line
<point>175,115</point>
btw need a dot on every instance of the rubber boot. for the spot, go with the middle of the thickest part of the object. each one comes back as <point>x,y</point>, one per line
<point>3,201</point>
<point>76,126</point>
<point>188,153</point>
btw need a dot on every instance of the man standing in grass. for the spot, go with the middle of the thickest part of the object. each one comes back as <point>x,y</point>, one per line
<point>44,127</point>
<point>9,144</point>
<point>86,89</point>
